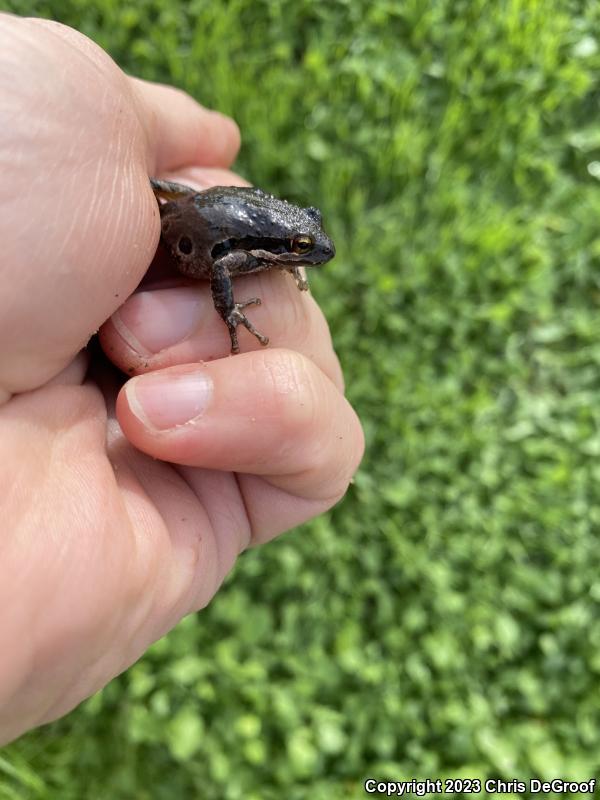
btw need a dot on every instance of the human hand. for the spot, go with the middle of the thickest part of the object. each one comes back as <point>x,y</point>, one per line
<point>114,530</point>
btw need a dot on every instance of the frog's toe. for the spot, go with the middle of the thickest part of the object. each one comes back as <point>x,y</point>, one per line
<point>254,301</point>
<point>235,347</point>
<point>264,340</point>
<point>300,278</point>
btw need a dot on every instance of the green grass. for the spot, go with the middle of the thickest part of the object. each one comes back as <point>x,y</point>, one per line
<point>444,619</point>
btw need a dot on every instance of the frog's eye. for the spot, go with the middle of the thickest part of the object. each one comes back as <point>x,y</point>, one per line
<point>302,244</point>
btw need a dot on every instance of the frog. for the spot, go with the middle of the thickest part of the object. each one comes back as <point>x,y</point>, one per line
<point>223,232</point>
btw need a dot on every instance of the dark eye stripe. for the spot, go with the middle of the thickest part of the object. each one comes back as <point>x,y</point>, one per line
<point>250,243</point>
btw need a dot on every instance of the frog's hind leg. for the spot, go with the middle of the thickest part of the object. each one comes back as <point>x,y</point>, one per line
<point>222,294</point>
<point>166,190</point>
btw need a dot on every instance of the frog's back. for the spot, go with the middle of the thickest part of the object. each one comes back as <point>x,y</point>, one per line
<point>244,211</point>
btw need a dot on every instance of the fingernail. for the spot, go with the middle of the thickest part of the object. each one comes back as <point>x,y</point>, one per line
<point>170,398</point>
<point>151,321</point>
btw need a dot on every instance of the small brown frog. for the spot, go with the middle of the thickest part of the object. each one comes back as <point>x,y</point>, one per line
<point>227,231</point>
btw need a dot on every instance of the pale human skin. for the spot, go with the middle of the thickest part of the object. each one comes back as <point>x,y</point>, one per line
<point>124,506</point>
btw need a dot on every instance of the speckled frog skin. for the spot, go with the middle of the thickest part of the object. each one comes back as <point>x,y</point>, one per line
<point>227,231</point>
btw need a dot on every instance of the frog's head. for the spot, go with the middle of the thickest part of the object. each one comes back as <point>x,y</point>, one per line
<point>282,234</point>
<point>309,244</point>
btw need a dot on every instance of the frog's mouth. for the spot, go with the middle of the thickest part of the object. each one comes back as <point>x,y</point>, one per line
<point>250,243</point>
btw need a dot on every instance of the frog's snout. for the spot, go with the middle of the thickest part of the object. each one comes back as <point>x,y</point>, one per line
<point>328,250</point>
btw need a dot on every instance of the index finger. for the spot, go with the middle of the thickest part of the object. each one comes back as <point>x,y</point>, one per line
<point>183,133</point>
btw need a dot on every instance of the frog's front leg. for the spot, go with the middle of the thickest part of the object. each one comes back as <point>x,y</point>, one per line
<point>300,279</point>
<point>222,295</point>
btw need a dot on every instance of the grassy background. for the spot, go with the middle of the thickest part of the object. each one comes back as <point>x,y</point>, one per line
<point>443,620</point>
